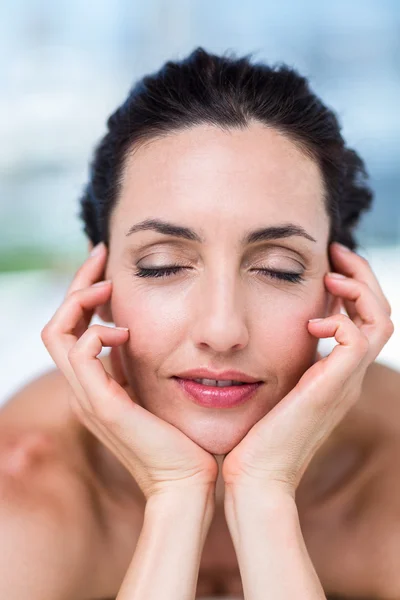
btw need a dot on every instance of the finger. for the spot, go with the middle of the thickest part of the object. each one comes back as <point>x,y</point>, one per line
<point>90,271</point>
<point>350,308</point>
<point>62,331</point>
<point>353,265</point>
<point>339,304</point>
<point>98,385</point>
<point>325,386</point>
<point>81,407</point>
<point>371,318</point>
<point>110,405</point>
<point>303,419</point>
<point>352,312</point>
<point>75,308</point>
<point>351,348</point>
<point>327,376</point>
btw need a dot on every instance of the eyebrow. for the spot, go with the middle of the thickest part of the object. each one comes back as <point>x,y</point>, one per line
<point>262,234</point>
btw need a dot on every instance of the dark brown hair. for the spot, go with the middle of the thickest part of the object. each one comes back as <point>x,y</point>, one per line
<point>227,92</point>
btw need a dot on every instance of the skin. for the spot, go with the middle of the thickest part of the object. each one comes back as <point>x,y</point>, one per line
<point>225,296</point>
<point>219,313</point>
<point>205,330</point>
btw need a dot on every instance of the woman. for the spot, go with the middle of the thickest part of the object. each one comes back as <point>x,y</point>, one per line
<point>214,451</point>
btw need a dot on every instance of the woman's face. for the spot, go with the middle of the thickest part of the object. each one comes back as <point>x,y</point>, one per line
<point>218,311</point>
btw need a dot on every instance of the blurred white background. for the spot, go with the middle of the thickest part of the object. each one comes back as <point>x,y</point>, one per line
<point>66,66</point>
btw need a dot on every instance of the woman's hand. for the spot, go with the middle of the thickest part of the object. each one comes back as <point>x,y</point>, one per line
<point>159,456</point>
<point>278,448</point>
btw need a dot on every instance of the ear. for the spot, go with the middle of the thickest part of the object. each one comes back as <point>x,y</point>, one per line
<point>103,310</point>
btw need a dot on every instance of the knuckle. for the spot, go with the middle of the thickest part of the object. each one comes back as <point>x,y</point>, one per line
<point>362,286</point>
<point>94,329</point>
<point>47,333</point>
<point>388,308</point>
<point>90,332</point>
<point>342,318</point>
<point>388,328</point>
<point>80,346</point>
<point>74,297</point>
<point>44,334</point>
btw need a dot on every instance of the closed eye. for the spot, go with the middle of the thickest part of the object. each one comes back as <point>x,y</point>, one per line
<point>282,275</point>
<point>173,269</point>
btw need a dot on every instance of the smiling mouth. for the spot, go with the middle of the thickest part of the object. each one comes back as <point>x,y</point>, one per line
<point>217,396</point>
<point>217,382</point>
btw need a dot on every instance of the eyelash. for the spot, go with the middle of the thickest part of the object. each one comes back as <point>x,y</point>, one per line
<point>173,269</point>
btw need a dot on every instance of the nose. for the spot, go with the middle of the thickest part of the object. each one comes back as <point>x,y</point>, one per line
<point>220,319</point>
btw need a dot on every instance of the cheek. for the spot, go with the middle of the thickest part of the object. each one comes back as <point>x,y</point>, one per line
<point>154,319</point>
<point>158,320</point>
<point>285,331</point>
<point>287,312</point>
<point>281,330</point>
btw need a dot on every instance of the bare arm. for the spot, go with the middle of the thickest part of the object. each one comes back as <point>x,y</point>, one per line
<point>167,557</point>
<point>269,545</point>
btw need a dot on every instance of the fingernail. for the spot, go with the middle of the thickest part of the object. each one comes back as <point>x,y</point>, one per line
<point>102,282</point>
<point>337,275</point>
<point>124,328</point>
<point>97,249</point>
<point>342,247</point>
<point>314,320</point>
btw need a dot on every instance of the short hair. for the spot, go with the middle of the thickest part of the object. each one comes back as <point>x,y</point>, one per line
<point>229,92</point>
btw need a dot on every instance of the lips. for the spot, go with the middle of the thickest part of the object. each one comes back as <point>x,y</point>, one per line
<point>204,373</point>
<point>217,397</point>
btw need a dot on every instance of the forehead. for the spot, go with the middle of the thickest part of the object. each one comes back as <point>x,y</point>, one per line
<point>252,173</point>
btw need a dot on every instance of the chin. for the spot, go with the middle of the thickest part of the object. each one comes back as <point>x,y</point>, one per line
<point>218,437</point>
<point>219,447</point>
<point>216,431</point>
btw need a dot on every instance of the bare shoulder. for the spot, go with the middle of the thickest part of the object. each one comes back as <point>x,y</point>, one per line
<point>381,395</point>
<point>375,511</point>
<point>46,468</point>
<point>41,439</point>
<point>39,432</point>
<point>42,400</point>
<point>350,495</point>
<point>380,373</point>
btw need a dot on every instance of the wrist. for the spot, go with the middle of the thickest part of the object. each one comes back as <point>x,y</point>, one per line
<point>189,500</point>
<point>167,556</point>
<point>246,504</point>
<point>268,541</point>
<point>271,496</point>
